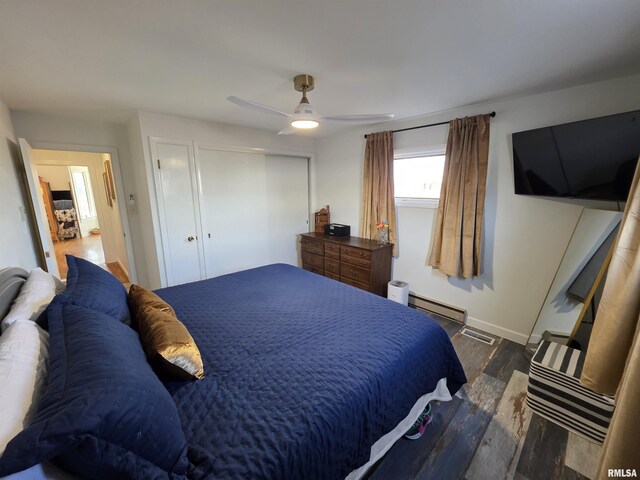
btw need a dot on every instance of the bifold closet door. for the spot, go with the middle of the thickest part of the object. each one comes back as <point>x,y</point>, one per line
<point>252,208</point>
<point>176,190</point>
<point>234,211</point>
<point>287,206</point>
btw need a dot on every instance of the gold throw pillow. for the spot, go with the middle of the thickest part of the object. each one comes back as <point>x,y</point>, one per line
<point>139,297</point>
<point>167,342</point>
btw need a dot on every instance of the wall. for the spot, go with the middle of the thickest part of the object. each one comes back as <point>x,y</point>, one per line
<point>16,242</point>
<point>56,175</point>
<point>57,132</point>
<point>146,125</point>
<point>524,237</point>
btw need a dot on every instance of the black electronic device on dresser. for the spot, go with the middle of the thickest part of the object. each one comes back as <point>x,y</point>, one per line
<point>337,230</point>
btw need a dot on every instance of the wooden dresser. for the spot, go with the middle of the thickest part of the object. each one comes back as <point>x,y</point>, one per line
<point>356,261</point>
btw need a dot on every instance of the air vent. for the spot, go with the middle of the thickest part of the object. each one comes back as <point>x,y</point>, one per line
<point>478,336</point>
<point>431,306</point>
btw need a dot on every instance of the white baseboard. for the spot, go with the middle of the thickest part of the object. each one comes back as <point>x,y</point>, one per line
<point>495,330</point>
<point>535,339</point>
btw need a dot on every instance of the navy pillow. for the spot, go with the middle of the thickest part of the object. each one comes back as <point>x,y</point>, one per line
<point>92,287</point>
<point>104,414</point>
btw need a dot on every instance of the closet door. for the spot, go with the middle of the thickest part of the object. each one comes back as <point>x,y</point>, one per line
<point>234,210</point>
<point>176,191</point>
<point>287,206</point>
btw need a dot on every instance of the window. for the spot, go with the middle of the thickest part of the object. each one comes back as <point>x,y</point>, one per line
<point>418,179</point>
<point>83,192</point>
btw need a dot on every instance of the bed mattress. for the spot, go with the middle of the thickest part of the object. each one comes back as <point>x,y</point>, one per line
<point>303,373</point>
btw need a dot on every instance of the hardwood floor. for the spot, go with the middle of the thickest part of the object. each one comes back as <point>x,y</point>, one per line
<point>487,432</point>
<point>88,247</point>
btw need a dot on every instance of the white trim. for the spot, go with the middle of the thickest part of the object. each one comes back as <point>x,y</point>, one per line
<point>496,330</point>
<point>405,202</point>
<point>382,446</point>
<point>431,151</point>
<point>122,204</point>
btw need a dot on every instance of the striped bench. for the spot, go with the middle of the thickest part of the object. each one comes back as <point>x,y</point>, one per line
<point>555,392</point>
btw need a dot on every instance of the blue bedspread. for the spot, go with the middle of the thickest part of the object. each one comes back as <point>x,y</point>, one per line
<point>303,373</point>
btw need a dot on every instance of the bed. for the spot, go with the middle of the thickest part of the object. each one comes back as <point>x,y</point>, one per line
<point>306,377</point>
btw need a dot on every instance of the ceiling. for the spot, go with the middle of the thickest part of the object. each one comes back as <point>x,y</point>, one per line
<point>106,59</point>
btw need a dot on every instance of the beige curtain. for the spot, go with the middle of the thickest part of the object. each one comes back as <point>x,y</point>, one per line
<point>457,242</point>
<point>612,365</point>
<point>378,204</point>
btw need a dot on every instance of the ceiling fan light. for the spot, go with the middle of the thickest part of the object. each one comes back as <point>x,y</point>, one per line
<point>304,123</point>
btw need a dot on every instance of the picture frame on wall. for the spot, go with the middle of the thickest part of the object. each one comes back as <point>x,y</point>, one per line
<point>109,172</point>
<point>106,189</point>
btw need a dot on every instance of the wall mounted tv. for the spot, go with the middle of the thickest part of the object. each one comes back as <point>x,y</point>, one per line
<point>592,159</point>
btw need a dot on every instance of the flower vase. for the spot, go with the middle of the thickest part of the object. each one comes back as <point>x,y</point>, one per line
<point>383,236</point>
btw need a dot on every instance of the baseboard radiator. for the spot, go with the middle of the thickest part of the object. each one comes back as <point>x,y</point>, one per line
<point>442,309</point>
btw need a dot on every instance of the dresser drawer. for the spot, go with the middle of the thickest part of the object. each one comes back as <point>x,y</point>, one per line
<point>313,269</point>
<point>354,273</point>
<point>357,261</point>
<point>355,253</point>
<point>331,265</point>
<point>332,276</point>
<point>312,246</point>
<point>330,254</point>
<point>353,283</point>
<point>332,247</point>
<point>332,250</point>
<point>312,259</point>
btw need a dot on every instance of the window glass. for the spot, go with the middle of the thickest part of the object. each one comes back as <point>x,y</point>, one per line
<point>86,208</point>
<point>418,177</point>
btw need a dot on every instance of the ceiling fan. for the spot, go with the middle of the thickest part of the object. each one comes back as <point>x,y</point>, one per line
<point>305,116</point>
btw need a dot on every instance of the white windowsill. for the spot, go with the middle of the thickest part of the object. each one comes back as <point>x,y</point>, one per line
<point>417,202</point>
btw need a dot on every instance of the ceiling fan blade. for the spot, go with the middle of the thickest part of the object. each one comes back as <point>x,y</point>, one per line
<point>369,118</point>
<point>255,106</point>
<point>287,131</point>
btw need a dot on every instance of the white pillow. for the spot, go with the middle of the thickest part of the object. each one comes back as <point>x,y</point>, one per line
<point>24,354</point>
<point>35,295</point>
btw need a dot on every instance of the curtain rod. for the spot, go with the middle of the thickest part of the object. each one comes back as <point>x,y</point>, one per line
<point>492,114</point>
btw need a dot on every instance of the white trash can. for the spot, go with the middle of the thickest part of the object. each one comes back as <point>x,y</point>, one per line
<point>398,291</point>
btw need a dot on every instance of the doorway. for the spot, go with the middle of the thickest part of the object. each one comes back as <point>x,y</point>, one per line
<point>81,205</point>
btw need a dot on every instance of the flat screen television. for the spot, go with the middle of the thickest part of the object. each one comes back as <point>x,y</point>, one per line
<point>592,159</point>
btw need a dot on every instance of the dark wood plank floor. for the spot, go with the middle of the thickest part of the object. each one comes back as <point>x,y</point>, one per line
<point>536,449</point>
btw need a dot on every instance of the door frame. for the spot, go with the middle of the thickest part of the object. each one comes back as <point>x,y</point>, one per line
<point>119,184</point>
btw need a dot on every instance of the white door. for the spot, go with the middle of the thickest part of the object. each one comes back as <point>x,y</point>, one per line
<point>176,190</point>
<point>287,206</point>
<point>38,207</point>
<point>234,210</point>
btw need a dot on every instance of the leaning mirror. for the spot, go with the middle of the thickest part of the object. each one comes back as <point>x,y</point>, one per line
<point>568,311</point>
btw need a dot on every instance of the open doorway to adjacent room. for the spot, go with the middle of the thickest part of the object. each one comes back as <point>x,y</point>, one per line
<point>80,201</point>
